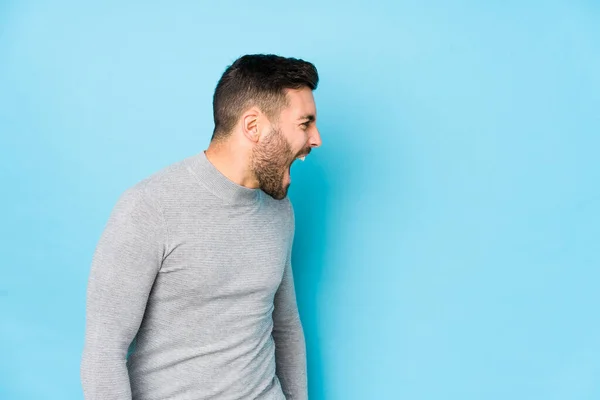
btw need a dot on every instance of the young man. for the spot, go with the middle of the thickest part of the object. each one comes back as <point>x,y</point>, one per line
<point>193,273</point>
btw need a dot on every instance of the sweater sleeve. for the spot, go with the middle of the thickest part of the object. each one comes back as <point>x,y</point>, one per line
<point>288,334</point>
<point>127,259</point>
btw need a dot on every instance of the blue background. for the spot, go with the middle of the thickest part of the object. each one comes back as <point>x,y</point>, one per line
<point>447,242</point>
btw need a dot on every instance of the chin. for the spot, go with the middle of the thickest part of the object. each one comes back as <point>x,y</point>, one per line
<point>279,194</point>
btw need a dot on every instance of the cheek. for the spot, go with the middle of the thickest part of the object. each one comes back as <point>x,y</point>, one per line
<point>300,141</point>
<point>296,138</point>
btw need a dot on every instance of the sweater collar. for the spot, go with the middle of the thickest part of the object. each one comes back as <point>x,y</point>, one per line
<point>219,184</point>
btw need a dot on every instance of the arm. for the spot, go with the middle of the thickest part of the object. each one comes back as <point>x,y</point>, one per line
<point>288,334</point>
<point>290,348</point>
<point>125,263</point>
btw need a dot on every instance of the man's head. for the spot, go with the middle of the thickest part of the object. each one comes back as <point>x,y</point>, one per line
<point>264,104</point>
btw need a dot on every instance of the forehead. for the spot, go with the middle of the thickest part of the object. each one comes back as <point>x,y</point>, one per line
<point>300,102</point>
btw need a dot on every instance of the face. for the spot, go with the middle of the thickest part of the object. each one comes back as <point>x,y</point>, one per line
<point>292,138</point>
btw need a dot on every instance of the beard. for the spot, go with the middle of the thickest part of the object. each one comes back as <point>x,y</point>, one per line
<point>270,161</point>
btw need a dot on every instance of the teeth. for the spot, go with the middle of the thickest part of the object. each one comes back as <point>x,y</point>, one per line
<point>302,158</point>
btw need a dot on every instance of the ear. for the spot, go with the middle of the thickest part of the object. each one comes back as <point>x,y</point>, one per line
<point>250,125</point>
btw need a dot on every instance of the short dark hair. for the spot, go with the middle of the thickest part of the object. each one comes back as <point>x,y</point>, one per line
<point>258,80</point>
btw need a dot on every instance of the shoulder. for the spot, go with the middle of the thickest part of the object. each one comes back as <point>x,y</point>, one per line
<point>158,187</point>
<point>146,195</point>
<point>135,203</point>
<point>167,177</point>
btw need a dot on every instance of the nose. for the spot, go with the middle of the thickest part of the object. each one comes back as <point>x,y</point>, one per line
<point>315,138</point>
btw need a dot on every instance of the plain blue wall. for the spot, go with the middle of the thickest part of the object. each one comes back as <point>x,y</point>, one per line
<point>447,242</point>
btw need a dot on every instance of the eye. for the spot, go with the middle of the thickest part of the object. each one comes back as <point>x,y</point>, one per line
<point>305,125</point>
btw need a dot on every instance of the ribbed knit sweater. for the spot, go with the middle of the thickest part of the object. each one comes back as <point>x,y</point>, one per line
<point>191,293</point>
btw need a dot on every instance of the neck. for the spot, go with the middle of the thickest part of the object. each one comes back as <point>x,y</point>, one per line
<point>233,162</point>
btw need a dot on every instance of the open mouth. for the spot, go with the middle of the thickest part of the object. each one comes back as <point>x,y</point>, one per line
<point>302,157</point>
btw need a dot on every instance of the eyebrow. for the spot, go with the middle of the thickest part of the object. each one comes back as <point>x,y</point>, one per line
<point>309,117</point>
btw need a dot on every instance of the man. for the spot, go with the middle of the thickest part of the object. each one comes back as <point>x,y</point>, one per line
<point>192,273</point>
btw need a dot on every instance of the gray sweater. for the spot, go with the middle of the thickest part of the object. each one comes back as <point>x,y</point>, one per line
<point>191,293</point>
